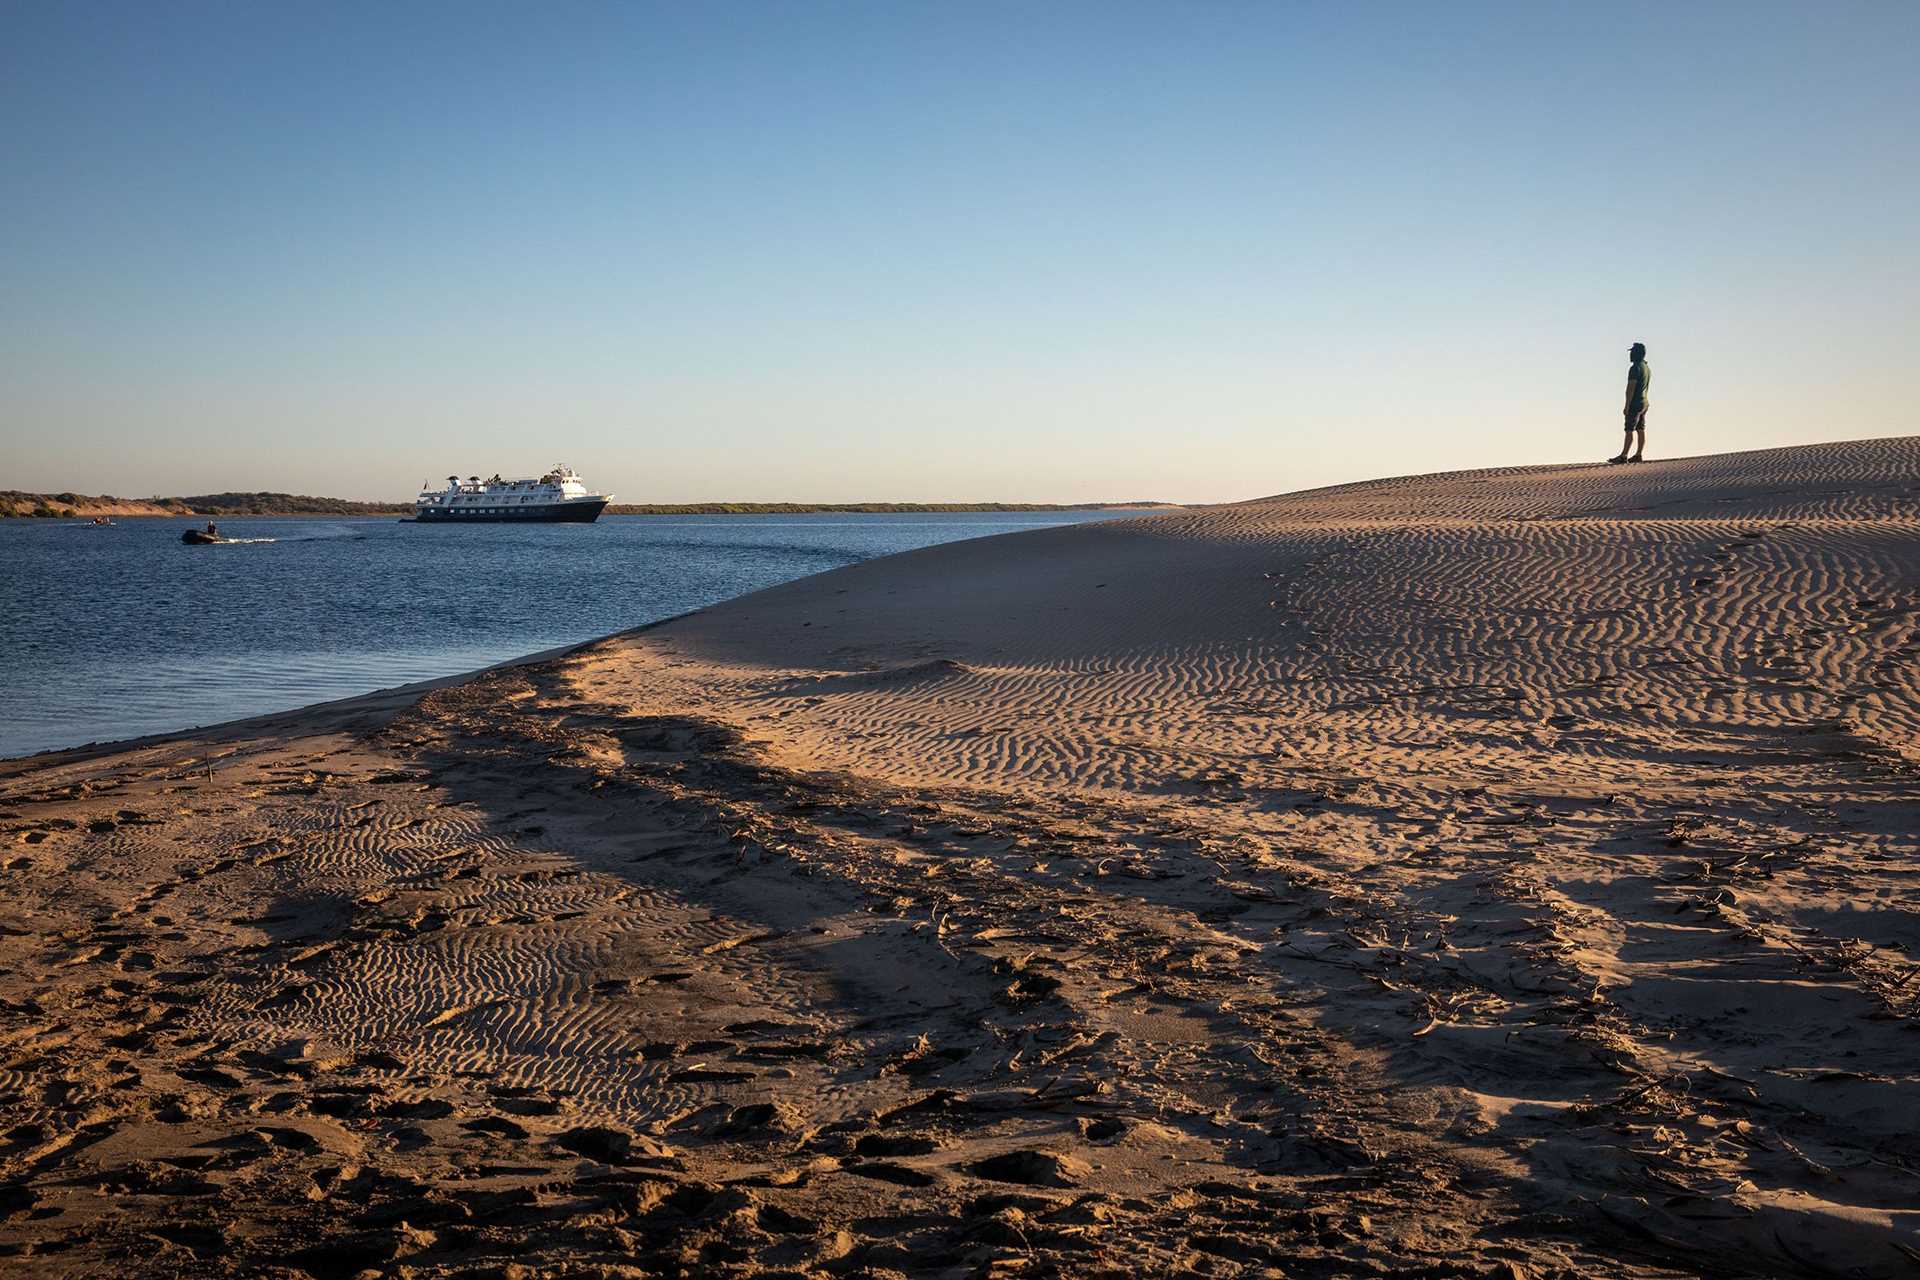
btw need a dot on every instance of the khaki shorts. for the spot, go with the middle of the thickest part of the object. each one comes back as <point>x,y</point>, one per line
<point>1637,419</point>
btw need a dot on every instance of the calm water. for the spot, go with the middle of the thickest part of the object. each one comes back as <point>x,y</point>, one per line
<point>110,633</point>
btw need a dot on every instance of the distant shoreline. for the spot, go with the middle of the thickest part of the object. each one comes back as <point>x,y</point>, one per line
<point>803,508</point>
<point>75,506</point>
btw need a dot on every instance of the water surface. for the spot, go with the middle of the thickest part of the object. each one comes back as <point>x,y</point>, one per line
<point>109,633</point>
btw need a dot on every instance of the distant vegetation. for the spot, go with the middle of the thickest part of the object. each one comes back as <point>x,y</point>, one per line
<point>67,506</point>
<point>284,504</point>
<point>71,506</point>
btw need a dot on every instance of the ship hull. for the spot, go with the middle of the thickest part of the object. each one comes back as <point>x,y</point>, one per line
<point>546,513</point>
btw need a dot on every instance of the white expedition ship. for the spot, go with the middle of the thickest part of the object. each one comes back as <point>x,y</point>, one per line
<point>556,496</point>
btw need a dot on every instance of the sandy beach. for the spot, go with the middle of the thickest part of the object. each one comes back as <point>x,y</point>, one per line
<point>1506,873</point>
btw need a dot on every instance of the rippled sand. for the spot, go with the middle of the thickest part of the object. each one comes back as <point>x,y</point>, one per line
<point>1507,873</point>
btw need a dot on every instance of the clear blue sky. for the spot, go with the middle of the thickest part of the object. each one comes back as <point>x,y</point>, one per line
<point>941,251</point>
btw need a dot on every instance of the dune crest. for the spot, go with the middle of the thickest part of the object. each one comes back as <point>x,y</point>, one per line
<point>1501,873</point>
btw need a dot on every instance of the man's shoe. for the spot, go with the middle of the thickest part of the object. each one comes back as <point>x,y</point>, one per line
<point>1621,458</point>
<point>1636,458</point>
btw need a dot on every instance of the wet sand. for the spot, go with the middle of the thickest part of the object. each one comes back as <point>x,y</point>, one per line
<point>1509,874</point>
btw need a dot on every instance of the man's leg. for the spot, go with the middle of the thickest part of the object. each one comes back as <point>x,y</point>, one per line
<point>1626,443</point>
<point>1640,435</point>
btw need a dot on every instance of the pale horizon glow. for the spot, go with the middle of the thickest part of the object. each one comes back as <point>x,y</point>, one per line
<point>920,252</point>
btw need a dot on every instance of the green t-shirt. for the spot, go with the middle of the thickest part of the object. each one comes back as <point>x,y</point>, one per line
<point>1639,378</point>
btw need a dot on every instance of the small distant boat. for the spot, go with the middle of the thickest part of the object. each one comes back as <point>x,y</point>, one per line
<point>201,537</point>
<point>103,522</point>
<point>557,496</point>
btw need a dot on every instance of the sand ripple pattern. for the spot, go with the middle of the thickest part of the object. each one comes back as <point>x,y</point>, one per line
<point>1504,873</point>
<point>1607,777</point>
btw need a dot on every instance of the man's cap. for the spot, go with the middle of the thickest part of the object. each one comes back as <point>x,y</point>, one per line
<point>1638,348</point>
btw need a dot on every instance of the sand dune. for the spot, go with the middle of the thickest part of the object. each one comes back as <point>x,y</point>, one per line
<point>1505,873</point>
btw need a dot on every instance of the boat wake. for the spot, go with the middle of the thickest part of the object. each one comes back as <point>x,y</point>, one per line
<point>333,535</point>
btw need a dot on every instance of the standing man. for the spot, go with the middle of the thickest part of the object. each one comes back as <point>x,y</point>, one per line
<point>1639,376</point>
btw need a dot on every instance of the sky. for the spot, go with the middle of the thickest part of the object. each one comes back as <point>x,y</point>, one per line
<point>838,251</point>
